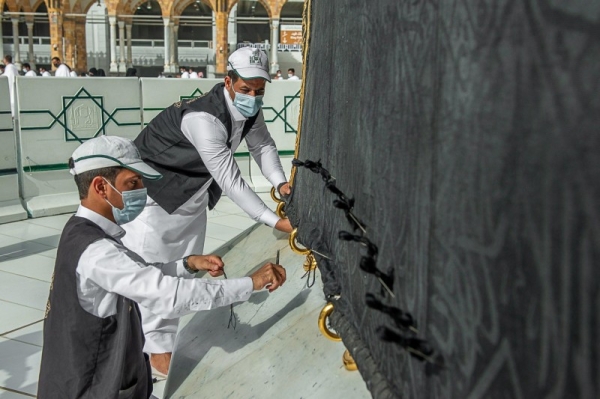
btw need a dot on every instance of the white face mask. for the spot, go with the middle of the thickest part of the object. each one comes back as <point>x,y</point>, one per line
<point>290,75</point>
<point>134,202</point>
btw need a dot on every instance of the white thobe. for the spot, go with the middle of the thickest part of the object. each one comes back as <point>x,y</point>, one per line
<point>62,71</point>
<point>159,236</point>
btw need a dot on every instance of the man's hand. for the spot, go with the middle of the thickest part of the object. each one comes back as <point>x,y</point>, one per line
<point>211,263</point>
<point>270,275</point>
<point>284,225</point>
<point>285,189</point>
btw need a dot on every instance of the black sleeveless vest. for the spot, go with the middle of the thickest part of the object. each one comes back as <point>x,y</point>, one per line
<point>163,146</point>
<point>85,356</point>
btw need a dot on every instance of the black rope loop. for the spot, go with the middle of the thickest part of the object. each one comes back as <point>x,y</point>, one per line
<point>403,320</point>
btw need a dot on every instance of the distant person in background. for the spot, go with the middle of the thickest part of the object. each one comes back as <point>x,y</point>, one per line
<point>62,71</point>
<point>10,71</point>
<point>292,74</point>
<point>101,73</point>
<point>184,73</point>
<point>44,72</point>
<point>93,72</point>
<point>278,75</point>
<point>131,72</point>
<point>201,75</point>
<point>27,70</point>
<point>193,74</point>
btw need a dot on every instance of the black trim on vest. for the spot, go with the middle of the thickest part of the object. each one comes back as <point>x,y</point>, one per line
<point>85,356</point>
<point>163,146</point>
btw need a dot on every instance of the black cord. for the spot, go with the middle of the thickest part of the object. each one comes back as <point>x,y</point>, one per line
<point>232,316</point>
<point>417,347</point>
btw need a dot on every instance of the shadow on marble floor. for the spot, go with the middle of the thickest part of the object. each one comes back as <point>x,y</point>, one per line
<point>27,248</point>
<point>20,363</point>
<point>190,355</point>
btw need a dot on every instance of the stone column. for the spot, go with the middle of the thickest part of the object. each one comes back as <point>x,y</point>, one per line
<point>16,49</point>
<point>56,32</point>
<point>1,38</point>
<point>232,28</point>
<point>122,61</point>
<point>175,50</point>
<point>114,67</point>
<point>30,42</point>
<point>167,42</point>
<point>173,44</point>
<point>221,46</point>
<point>128,28</point>
<point>274,43</point>
<point>69,42</point>
<point>81,46</point>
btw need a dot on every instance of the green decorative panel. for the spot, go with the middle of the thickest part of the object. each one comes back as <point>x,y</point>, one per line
<point>83,116</point>
<point>287,114</point>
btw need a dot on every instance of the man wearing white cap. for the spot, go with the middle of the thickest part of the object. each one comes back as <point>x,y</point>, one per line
<point>93,340</point>
<point>192,144</point>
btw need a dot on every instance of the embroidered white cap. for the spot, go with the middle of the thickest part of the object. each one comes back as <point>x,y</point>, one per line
<point>110,151</point>
<point>249,63</point>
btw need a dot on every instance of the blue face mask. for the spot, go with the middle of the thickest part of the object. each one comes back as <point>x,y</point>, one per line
<point>134,202</point>
<point>246,104</point>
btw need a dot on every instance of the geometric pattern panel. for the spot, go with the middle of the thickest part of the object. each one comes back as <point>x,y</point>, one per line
<point>83,116</point>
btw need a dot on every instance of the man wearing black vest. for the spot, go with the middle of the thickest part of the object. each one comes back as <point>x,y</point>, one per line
<point>93,339</point>
<point>191,143</point>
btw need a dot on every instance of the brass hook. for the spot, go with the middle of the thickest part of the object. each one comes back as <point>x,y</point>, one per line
<point>274,196</point>
<point>294,245</point>
<point>349,362</point>
<point>280,211</point>
<point>310,263</point>
<point>323,323</point>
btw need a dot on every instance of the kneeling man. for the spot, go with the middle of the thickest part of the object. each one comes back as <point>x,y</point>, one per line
<point>93,339</point>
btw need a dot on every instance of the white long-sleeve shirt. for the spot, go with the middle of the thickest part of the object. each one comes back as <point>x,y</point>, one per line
<point>156,233</point>
<point>30,73</point>
<point>62,71</point>
<point>108,269</point>
<point>209,136</point>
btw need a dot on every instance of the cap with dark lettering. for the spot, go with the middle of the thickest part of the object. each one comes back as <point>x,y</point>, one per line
<point>249,63</point>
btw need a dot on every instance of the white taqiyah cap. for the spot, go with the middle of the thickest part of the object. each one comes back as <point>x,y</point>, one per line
<point>249,63</point>
<point>109,151</point>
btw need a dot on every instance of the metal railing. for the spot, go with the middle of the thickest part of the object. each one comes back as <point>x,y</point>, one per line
<point>267,46</point>
<point>24,40</point>
<point>180,43</point>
